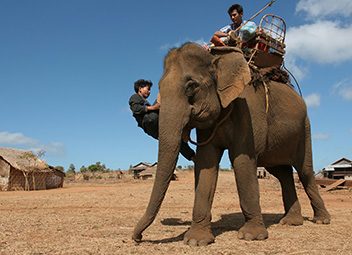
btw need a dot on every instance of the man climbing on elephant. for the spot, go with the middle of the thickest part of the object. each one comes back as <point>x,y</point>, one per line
<point>147,115</point>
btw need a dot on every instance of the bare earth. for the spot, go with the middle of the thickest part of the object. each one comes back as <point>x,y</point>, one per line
<point>98,218</point>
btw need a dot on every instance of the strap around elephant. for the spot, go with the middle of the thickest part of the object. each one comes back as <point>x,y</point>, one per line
<point>214,131</point>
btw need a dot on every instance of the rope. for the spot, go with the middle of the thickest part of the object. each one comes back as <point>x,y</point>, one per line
<point>214,131</point>
<point>266,97</point>
<point>294,78</point>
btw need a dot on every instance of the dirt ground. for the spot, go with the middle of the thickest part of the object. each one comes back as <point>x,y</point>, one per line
<point>98,218</point>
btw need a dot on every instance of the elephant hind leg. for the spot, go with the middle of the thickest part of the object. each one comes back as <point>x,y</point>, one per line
<point>293,215</point>
<point>304,167</point>
<point>307,178</point>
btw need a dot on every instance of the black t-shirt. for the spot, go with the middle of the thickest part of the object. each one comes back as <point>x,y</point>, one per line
<point>138,106</point>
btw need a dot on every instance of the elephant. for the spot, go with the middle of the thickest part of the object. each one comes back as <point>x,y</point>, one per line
<point>265,125</point>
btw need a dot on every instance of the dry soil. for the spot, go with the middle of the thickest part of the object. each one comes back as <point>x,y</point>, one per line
<point>98,218</point>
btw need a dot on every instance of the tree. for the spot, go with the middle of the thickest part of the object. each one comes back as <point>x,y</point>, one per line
<point>83,169</point>
<point>98,167</point>
<point>71,169</point>
<point>40,153</point>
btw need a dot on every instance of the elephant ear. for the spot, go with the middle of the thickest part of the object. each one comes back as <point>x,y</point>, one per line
<point>232,72</point>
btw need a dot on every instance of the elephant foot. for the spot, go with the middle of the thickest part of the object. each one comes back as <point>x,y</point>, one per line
<point>322,217</point>
<point>199,236</point>
<point>292,220</point>
<point>252,231</point>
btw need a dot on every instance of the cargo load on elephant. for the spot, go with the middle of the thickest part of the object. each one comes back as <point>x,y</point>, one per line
<point>262,45</point>
<point>265,49</point>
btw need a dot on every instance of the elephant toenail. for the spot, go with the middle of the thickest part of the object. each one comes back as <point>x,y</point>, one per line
<point>248,237</point>
<point>261,237</point>
<point>193,242</point>
<point>202,243</point>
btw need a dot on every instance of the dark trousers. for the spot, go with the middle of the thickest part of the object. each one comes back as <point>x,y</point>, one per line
<point>150,126</point>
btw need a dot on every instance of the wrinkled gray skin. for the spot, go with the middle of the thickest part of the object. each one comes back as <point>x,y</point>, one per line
<point>197,90</point>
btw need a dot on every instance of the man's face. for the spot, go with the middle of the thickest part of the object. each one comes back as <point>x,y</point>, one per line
<point>236,17</point>
<point>144,91</point>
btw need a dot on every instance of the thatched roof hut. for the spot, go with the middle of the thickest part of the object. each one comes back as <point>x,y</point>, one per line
<point>22,170</point>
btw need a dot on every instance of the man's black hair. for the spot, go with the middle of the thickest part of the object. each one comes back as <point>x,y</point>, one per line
<point>236,7</point>
<point>141,84</point>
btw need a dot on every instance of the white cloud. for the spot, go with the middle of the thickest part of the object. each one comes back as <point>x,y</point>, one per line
<point>320,136</point>
<point>346,93</point>
<point>344,89</point>
<point>324,8</point>
<point>18,139</point>
<point>312,100</point>
<point>321,42</point>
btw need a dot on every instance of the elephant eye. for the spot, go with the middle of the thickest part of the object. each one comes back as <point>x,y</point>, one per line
<point>191,87</point>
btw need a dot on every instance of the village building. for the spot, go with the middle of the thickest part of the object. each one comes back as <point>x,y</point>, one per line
<point>146,170</point>
<point>22,170</point>
<point>140,167</point>
<point>340,169</point>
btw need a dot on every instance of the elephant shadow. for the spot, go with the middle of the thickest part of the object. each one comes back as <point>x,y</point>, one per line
<point>226,223</point>
<point>234,221</point>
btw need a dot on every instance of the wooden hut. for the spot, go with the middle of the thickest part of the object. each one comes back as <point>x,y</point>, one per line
<point>340,169</point>
<point>22,170</point>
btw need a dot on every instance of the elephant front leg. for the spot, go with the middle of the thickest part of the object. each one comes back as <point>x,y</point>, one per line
<point>206,175</point>
<point>248,192</point>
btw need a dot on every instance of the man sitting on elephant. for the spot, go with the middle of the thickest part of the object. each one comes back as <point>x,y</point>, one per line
<point>231,33</point>
<point>147,115</point>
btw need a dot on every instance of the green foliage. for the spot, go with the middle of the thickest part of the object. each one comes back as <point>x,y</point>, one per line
<point>83,169</point>
<point>71,169</point>
<point>190,167</point>
<point>97,167</point>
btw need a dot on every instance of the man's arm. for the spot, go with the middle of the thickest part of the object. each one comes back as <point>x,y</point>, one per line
<point>220,34</point>
<point>154,107</point>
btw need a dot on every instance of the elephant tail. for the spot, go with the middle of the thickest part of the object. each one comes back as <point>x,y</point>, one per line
<point>307,161</point>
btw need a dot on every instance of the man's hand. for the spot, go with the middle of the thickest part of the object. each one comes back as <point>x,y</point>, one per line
<point>153,107</point>
<point>220,34</point>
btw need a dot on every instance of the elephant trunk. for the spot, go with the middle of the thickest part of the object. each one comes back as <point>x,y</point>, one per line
<point>169,146</point>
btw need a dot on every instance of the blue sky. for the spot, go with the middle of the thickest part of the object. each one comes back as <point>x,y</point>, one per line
<point>67,70</point>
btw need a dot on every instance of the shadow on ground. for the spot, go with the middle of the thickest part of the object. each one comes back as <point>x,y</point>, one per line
<point>227,223</point>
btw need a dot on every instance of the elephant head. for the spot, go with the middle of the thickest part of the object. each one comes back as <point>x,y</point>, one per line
<point>194,88</point>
